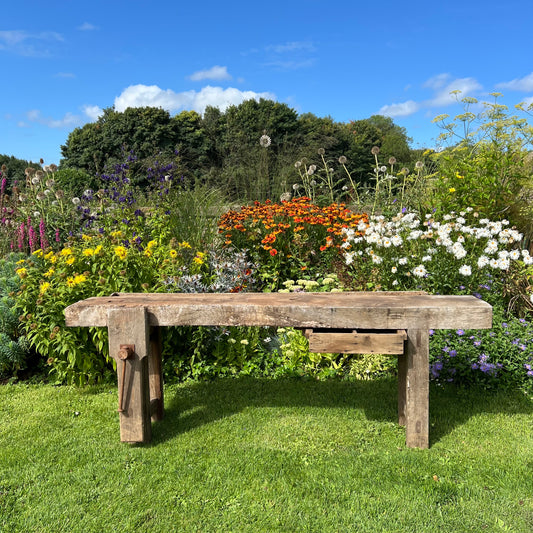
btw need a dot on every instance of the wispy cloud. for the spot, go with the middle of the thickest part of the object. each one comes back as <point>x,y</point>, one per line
<point>214,73</point>
<point>290,65</point>
<point>68,121</point>
<point>524,84</point>
<point>403,109</point>
<point>292,46</point>
<point>67,75</point>
<point>23,43</point>
<point>443,87</point>
<point>292,55</point>
<point>152,95</point>
<point>87,26</point>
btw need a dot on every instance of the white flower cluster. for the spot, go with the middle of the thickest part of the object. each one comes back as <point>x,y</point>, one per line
<point>412,243</point>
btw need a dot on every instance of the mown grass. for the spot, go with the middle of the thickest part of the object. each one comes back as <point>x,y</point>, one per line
<point>263,455</point>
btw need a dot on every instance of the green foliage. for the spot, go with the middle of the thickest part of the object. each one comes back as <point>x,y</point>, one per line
<point>501,357</point>
<point>74,182</point>
<point>486,167</point>
<point>14,169</point>
<point>14,347</point>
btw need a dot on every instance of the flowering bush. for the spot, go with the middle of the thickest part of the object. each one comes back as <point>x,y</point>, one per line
<point>98,265</point>
<point>449,255</point>
<point>37,214</point>
<point>499,357</point>
<point>288,238</point>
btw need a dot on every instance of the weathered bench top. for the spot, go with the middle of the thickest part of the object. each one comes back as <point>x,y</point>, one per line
<point>384,310</point>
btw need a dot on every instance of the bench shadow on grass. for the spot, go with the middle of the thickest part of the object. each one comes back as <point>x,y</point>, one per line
<point>198,404</point>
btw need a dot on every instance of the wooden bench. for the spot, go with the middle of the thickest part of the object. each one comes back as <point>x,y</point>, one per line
<point>391,322</point>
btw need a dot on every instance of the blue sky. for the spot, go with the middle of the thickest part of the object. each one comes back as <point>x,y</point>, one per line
<point>63,62</point>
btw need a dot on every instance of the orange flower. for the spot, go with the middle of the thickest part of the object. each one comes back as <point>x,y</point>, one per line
<point>273,252</point>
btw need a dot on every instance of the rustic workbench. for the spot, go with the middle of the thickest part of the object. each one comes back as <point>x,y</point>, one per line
<point>397,322</point>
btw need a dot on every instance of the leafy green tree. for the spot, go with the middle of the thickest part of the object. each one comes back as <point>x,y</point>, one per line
<point>13,168</point>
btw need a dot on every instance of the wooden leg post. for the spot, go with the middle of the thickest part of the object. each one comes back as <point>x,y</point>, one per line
<point>402,388</point>
<point>129,326</point>
<point>156,375</point>
<point>417,389</point>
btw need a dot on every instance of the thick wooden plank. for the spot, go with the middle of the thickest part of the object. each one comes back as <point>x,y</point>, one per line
<point>130,326</point>
<point>348,310</point>
<point>417,389</point>
<point>358,343</point>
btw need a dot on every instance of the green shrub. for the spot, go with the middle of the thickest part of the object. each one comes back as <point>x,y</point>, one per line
<point>14,347</point>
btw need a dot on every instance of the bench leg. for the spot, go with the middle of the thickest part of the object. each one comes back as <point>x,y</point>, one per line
<point>129,326</point>
<point>416,386</point>
<point>156,375</point>
<point>402,388</point>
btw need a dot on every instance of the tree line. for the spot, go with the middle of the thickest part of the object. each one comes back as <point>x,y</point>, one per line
<point>222,149</point>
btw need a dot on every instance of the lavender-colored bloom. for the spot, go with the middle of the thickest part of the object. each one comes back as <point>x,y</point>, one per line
<point>452,353</point>
<point>460,332</point>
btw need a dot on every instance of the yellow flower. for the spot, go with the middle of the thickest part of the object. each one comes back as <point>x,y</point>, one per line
<point>88,252</point>
<point>49,273</point>
<point>458,176</point>
<point>86,237</point>
<point>20,262</point>
<point>148,252</point>
<point>49,256</point>
<point>451,189</point>
<point>121,252</point>
<point>98,249</point>
<point>38,253</point>
<point>66,251</point>
<point>173,253</point>
<point>151,244</point>
<point>117,233</point>
<point>76,280</point>
<point>184,244</point>
<point>44,287</point>
<point>21,272</point>
<point>70,260</point>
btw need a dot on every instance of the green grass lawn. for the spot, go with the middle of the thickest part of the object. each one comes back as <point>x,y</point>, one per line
<point>262,455</point>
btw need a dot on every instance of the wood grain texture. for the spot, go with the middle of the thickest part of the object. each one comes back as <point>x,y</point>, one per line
<point>388,343</point>
<point>130,326</point>
<point>417,389</point>
<point>347,310</point>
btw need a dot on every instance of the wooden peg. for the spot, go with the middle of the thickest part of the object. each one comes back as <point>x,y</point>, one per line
<point>125,352</point>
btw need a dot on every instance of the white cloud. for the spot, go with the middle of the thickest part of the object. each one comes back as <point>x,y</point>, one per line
<point>69,120</point>
<point>92,111</point>
<point>154,96</point>
<point>214,73</point>
<point>524,84</point>
<point>443,97</point>
<point>437,81</point>
<point>87,26</point>
<point>402,109</point>
<point>442,85</point>
<point>24,43</point>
